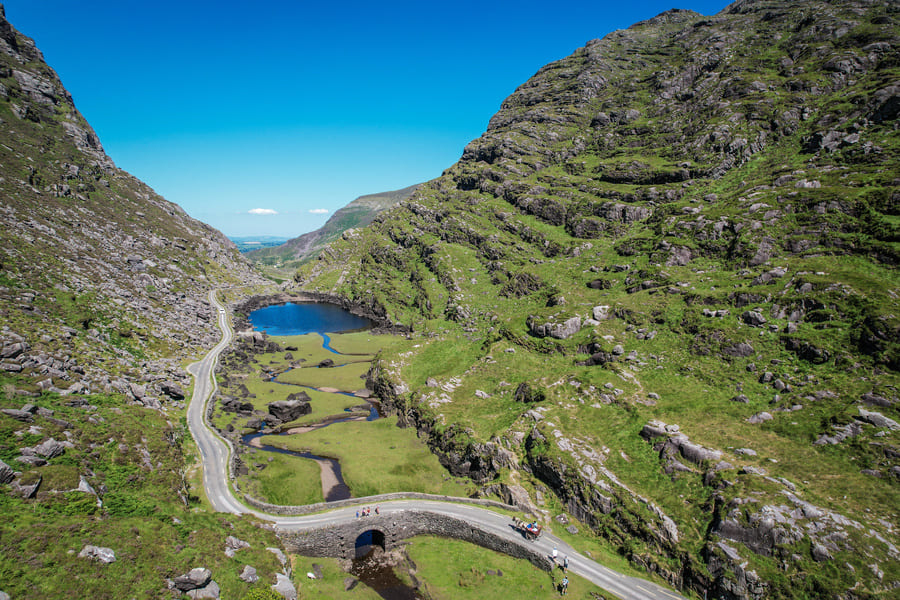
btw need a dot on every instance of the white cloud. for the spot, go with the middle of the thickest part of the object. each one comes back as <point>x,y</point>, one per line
<point>262,211</point>
<point>318,211</point>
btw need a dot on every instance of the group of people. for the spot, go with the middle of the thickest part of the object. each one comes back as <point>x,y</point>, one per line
<point>564,584</point>
<point>366,512</point>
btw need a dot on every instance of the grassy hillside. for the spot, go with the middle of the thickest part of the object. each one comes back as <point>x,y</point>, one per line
<point>663,287</point>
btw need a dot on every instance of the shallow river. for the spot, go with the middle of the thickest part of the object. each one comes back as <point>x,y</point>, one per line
<point>301,319</point>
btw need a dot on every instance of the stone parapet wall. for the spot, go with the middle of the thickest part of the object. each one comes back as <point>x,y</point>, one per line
<point>307,509</point>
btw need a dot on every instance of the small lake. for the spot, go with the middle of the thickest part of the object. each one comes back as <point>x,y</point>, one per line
<point>300,319</point>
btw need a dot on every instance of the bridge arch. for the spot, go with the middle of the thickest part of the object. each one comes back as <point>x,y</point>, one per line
<point>369,540</point>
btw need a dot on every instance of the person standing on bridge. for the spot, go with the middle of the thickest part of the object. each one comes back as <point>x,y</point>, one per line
<point>553,555</point>
<point>565,563</point>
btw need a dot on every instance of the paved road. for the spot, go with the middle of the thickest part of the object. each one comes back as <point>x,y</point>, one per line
<point>214,453</point>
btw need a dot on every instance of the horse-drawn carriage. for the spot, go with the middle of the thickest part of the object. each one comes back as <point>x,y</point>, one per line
<point>531,531</point>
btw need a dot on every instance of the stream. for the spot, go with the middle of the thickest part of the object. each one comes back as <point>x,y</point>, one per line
<point>301,319</point>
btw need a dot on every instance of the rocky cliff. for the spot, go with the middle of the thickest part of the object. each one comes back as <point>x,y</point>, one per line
<point>662,286</point>
<point>102,282</point>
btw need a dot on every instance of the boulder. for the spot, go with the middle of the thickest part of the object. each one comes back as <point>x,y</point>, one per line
<point>288,410</point>
<point>600,313</point>
<point>820,553</point>
<point>753,318</point>
<point>27,490</point>
<point>877,419</point>
<point>284,587</point>
<point>759,418</point>
<point>172,390</point>
<point>18,415</point>
<point>12,350</point>
<point>210,590</point>
<point>50,449</point>
<point>233,544</point>
<point>741,350</point>
<point>279,555</point>
<point>526,394</point>
<point>249,574</point>
<point>326,364</point>
<point>875,400</point>
<point>559,331</point>
<point>197,577</point>
<point>104,555</point>
<point>35,461</point>
<point>230,404</point>
<point>6,472</point>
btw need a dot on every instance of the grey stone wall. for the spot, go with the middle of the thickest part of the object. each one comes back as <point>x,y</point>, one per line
<point>339,540</point>
<point>306,509</point>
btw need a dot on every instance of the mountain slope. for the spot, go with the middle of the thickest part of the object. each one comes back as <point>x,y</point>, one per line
<point>663,286</point>
<point>358,213</point>
<point>94,265</point>
<point>102,299</point>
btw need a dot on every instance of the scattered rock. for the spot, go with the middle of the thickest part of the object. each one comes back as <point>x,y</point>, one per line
<point>210,590</point>
<point>875,400</point>
<point>559,331</point>
<point>285,587</point>
<point>758,418</point>
<point>820,553</point>
<point>326,364</point>
<point>249,574</point>
<point>877,419</point>
<point>233,544</point>
<point>350,583</point>
<point>753,318</point>
<point>104,555</point>
<point>172,390</point>
<point>6,473</point>
<point>289,410</point>
<point>50,449</point>
<point>198,577</point>
<point>29,489</point>
<point>279,555</point>
<point>19,415</point>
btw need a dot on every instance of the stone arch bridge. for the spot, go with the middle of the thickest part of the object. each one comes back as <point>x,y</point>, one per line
<point>338,540</point>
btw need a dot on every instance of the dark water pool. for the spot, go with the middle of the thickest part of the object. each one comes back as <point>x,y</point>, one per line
<point>300,319</point>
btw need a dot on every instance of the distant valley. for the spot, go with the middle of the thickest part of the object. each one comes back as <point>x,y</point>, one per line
<point>247,243</point>
<point>655,306</point>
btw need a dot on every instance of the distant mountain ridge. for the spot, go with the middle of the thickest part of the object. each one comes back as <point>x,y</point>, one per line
<point>359,213</point>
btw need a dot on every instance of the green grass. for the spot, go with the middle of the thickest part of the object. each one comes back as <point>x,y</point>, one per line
<point>143,517</point>
<point>349,377</point>
<point>376,457</point>
<point>285,480</point>
<point>451,569</point>
<point>331,585</point>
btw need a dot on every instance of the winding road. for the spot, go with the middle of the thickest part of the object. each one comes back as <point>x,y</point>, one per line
<point>215,452</point>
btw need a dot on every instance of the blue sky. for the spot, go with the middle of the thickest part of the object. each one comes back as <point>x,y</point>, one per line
<point>296,108</point>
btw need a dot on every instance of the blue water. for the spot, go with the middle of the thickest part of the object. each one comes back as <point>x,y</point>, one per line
<point>300,319</point>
